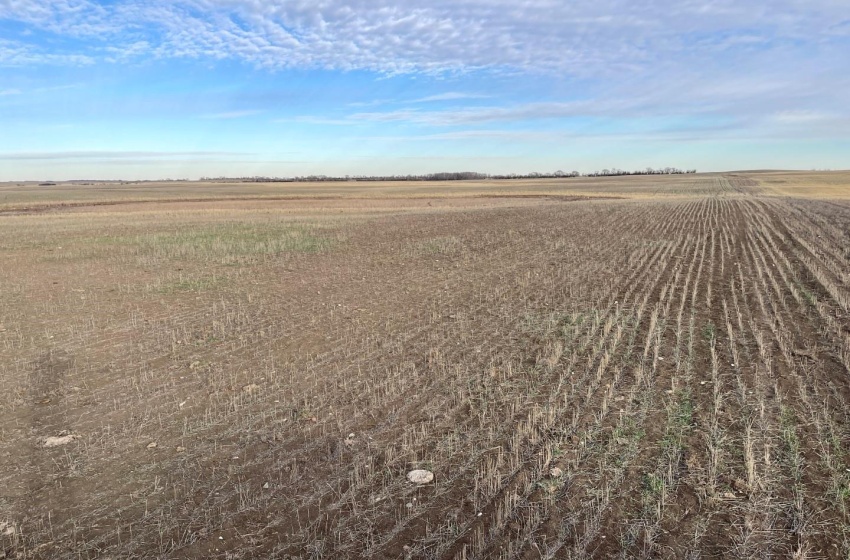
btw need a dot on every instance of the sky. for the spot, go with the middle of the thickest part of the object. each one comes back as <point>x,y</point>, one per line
<point>153,89</point>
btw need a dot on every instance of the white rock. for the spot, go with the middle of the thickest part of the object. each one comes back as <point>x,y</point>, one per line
<point>556,472</point>
<point>57,441</point>
<point>420,476</point>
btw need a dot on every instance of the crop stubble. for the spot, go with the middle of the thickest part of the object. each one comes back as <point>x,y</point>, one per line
<point>657,376</point>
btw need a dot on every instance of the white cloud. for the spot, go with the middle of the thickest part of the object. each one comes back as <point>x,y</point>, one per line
<point>512,136</point>
<point>450,96</point>
<point>17,54</point>
<point>584,37</point>
<point>773,62</point>
<point>9,92</point>
<point>802,117</point>
<point>517,112</point>
<point>108,155</point>
<point>493,114</point>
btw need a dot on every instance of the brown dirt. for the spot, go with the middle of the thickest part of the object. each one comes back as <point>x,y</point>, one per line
<point>680,359</point>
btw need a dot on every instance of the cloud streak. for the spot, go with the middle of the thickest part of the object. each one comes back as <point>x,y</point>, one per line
<point>108,155</point>
<point>449,96</point>
<point>18,54</point>
<point>491,114</point>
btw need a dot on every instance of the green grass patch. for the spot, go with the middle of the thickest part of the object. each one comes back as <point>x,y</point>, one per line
<point>810,297</point>
<point>221,243</point>
<point>791,442</point>
<point>709,331</point>
<point>680,420</point>
<point>653,486</point>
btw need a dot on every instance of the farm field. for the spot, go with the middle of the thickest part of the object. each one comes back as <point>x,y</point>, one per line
<point>630,367</point>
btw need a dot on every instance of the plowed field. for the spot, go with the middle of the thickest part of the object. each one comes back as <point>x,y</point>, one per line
<point>622,368</point>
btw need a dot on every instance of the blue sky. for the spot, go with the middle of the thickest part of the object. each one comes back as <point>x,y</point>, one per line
<point>151,89</point>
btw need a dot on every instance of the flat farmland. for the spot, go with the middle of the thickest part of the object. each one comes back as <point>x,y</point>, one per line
<point>632,367</point>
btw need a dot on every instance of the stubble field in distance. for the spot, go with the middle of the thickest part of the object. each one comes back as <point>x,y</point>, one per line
<point>635,367</point>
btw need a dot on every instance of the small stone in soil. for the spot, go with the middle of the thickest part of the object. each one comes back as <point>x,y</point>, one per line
<point>420,476</point>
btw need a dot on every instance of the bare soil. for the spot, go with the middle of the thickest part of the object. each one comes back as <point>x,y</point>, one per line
<point>663,374</point>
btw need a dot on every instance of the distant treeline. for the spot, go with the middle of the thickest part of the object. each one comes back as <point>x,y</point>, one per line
<point>648,171</point>
<point>453,176</point>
